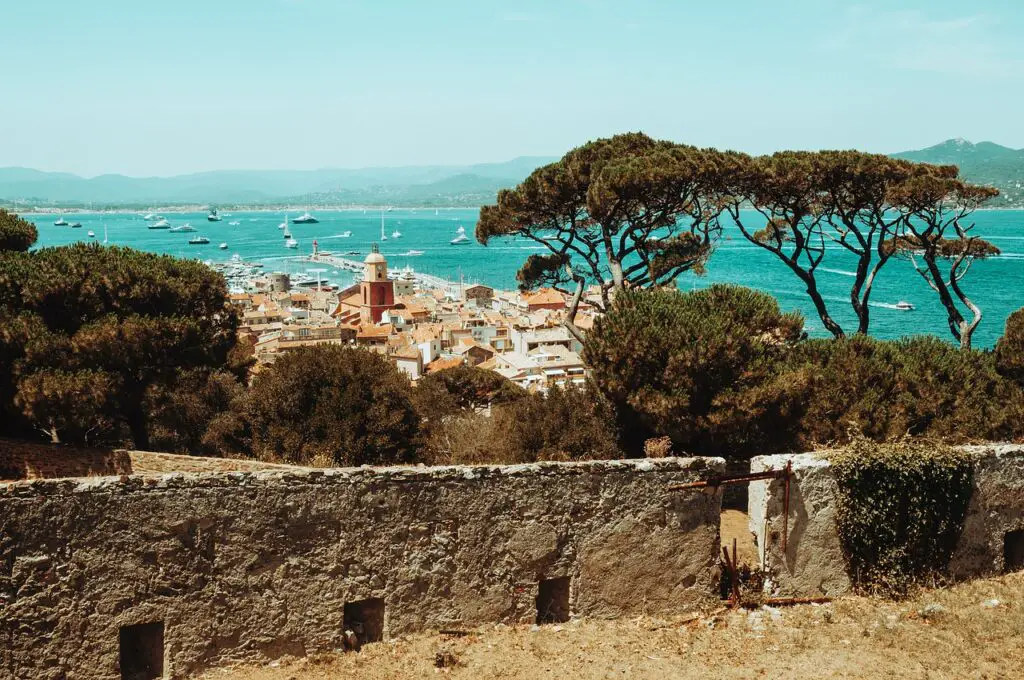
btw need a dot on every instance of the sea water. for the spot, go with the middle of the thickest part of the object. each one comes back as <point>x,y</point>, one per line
<point>995,284</point>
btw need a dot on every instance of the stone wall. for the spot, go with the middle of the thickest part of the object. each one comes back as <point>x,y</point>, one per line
<point>813,562</point>
<point>202,570</point>
<point>25,460</point>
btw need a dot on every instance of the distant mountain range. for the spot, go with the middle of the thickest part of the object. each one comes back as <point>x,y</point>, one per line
<point>981,163</point>
<point>420,185</point>
<point>424,185</point>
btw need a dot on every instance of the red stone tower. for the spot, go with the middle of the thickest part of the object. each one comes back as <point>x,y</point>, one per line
<point>378,291</point>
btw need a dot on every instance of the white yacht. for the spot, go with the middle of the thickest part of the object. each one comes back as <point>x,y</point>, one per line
<point>223,246</point>
<point>305,218</point>
<point>185,227</point>
<point>149,217</point>
<point>162,224</point>
<point>413,253</point>
<point>460,237</point>
<point>213,216</point>
<point>92,234</point>
<point>291,243</point>
<point>198,241</point>
<point>60,222</point>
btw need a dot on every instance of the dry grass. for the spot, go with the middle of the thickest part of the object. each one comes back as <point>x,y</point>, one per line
<point>853,637</point>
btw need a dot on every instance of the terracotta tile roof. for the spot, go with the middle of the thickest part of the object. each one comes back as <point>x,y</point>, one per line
<point>442,364</point>
<point>375,331</point>
<point>544,296</point>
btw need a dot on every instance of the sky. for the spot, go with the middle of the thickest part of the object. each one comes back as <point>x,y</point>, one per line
<point>163,88</point>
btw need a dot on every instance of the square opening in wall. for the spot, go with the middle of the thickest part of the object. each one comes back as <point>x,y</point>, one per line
<point>553,600</point>
<point>365,618</point>
<point>142,651</point>
<point>1013,550</point>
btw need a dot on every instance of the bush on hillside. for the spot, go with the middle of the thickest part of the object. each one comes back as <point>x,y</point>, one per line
<point>1010,349</point>
<point>16,233</point>
<point>569,424</point>
<point>683,364</point>
<point>886,390</point>
<point>110,325</point>
<point>332,405</point>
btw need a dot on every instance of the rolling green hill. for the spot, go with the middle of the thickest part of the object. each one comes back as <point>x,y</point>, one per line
<point>981,163</point>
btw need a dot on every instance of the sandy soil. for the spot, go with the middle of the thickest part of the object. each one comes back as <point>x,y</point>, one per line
<point>975,630</point>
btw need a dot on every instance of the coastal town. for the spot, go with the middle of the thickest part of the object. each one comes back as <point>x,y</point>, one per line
<point>422,325</point>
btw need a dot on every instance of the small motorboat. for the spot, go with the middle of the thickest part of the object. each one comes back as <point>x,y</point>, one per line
<point>345,234</point>
<point>291,243</point>
<point>162,224</point>
<point>149,216</point>
<point>76,225</point>
<point>60,222</point>
<point>198,241</point>
<point>412,253</point>
<point>460,237</point>
<point>92,234</point>
<point>305,218</point>
<point>234,224</point>
<point>185,227</point>
<point>223,246</point>
<point>353,252</point>
<point>904,305</point>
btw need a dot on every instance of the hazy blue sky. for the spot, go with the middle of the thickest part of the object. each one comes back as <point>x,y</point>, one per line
<point>143,88</point>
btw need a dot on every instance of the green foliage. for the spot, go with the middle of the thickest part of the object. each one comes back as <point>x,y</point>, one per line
<point>569,424</point>
<point>462,388</point>
<point>678,364</point>
<point>346,405</point>
<point>901,511</point>
<point>112,324</point>
<point>15,233</point>
<point>885,390</point>
<point>1010,349</point>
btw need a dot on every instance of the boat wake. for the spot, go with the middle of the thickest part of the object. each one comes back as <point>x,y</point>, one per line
<point>841,272</point>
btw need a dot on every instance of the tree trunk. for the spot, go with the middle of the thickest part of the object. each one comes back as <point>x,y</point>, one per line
<point>819,305</point>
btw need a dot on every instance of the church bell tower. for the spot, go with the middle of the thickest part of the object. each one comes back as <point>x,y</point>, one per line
<point>378,291</point>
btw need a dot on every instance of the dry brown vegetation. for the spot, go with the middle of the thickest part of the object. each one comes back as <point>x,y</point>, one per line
<point>973,630</point>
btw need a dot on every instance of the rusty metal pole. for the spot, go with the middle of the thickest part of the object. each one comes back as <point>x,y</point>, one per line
<point>785,505</point>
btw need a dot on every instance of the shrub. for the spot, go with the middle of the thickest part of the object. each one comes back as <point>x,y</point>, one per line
<point>901,511</point>
<point>681,364</point>
<point>346,405</point>
<point>1010,349</point>
<point>885,390</point>
<point>570,424</point>
<point>15,233</point>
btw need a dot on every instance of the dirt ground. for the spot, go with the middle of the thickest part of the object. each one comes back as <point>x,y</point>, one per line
<point>974,630</point>
<point>735,526</point>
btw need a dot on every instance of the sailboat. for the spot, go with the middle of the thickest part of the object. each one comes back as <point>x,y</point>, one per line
<point>104,234</point>
<point>396,234</point>
<point>284,225</point>
<point>287,233</point>
<point>383,236</point>
<point>460,237</point>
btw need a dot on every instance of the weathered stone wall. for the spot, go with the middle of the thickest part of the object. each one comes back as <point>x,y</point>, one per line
<point>25,460</point>
<point>252,566</point>
<point>813,562</point>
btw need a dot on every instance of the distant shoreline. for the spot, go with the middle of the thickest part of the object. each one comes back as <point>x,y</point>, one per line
<point>177,210</point>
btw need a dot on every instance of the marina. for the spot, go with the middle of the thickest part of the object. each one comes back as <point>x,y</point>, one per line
<point>345,236</point>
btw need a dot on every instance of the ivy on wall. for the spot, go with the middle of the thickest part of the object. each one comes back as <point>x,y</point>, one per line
<point>901,512</point>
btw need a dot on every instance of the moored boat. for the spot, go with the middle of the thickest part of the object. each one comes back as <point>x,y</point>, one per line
<point>162,224</point>
<point>198,241</point>
<point>213,216</point>
<point>460,237</point>
<point>305,218</point>
<point>60,222</point>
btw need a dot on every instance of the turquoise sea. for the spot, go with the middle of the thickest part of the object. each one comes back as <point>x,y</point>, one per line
<point>997,284</point>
